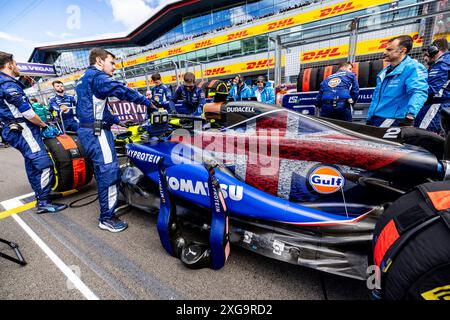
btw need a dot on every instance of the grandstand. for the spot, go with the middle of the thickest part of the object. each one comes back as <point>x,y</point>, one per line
<point>277,38</point>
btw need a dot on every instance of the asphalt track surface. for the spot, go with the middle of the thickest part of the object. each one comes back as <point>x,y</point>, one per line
<point>133,264</point>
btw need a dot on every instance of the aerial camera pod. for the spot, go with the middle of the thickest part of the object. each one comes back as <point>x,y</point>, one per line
<point>411,245</point>
<point>72,169</point>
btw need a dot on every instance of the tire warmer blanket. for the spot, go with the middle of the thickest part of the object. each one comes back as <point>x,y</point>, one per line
<point>78,163</point>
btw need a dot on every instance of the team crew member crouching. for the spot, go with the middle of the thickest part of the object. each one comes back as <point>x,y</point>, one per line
<point>22,131</point>
<point>96,119</point>
<point>338,93</point>
<point>161,94</point>
<point>65,103</point>
<point>192,96</point>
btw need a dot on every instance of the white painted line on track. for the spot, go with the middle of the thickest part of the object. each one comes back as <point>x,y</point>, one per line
<point>85,291</point>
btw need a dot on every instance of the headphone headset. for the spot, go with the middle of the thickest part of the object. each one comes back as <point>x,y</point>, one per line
<point>432,50</point>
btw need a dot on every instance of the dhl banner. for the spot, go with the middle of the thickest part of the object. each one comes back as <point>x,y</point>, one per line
<point>301,18</point>
<point>362,48</point>
<point>237,68</point>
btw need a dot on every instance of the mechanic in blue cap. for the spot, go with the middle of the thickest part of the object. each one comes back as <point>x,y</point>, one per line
<point>264,92</point>
<point>65,103</point>
<point>192,96</point>
<point>239,91</point>
<point>439,87</point>
<point>96,119</point>
<point>402,87</point>
<point>338,93</point>
<point>23,131</point>
<point>161,94</point>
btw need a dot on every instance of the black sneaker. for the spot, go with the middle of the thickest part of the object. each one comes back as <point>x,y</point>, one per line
<point>49,207</point>
<point>113,225</point>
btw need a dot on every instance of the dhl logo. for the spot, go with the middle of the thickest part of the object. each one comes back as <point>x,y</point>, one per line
<point>130,62</point>
<point>151,57</point>
<point>336,9</point>
<point>416,39</point>
<point>321,54</point>
<point>215,71</point>
<point>203,44</point>
<point>175,51</point>
<point>259,64</point>
<point>238,35</point>
<point>280,24</point>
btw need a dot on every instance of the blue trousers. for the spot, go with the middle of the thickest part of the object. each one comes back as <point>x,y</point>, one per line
<point>71,125</point>
<point>340,112</point>
<point>429,117</point>
<point>38,165</point>
<point>100,149</point>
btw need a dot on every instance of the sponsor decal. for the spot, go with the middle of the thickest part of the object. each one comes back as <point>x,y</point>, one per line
<point>175,51</point>
<point>338,9</point>
<point>326,180</point>
<point>293,99</point>
<point>264,63</point>
<point>241,109</point>
<point>334,82</point>
<point>233,192</point>
<point>322,54</point>
<point>439,293</point>
<point>202,44</point>
<point>36,68</point>
<point>143,156</point>
<point>237,35</point>
<point>280,24</point>
<point>151,57</point>
<point>215,71</point>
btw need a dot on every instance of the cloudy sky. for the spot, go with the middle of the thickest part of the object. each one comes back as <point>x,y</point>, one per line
<point>27,23</point>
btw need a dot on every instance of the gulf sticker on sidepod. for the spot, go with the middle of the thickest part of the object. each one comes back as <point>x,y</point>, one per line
<point>326,180</point>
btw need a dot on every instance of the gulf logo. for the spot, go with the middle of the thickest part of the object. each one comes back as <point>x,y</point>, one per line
<point>326,180</point>
<point>334,82</point>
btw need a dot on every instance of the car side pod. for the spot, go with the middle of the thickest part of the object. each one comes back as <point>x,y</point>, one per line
<point>194,254</point>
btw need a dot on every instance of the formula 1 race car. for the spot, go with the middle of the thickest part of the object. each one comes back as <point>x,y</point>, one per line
<point>299,189</point>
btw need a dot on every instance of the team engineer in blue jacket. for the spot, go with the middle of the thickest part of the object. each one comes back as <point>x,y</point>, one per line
<point>402,87</point>
<point>96,119</point>
<point>338,93</point>
<point>192,97</point>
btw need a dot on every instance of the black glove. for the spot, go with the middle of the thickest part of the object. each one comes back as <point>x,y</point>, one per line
<point>406,122</point>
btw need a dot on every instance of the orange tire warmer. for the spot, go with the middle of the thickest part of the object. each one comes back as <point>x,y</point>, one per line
<point>412,243</point>
<point>72,170</point>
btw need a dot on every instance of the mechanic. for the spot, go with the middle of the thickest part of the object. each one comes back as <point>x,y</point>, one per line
<point>23,132</point>
<point>439,90</point>
<point>65,103</point>
<point>96,119</point>
<point>148,94</point>
<point>192,96</point>
<point>264,92</point>
<point>402,87</point>
<point>239,91</point>
<point>161,94</point>
<point>40,109</point>
<point>338,94</point>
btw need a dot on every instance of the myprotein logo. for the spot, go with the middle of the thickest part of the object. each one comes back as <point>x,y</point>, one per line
<point>233,192</point>
<point>336,9</point>
<point>280,24</point>
<point>203,44</point>
<point>237,35</point>
<point>143,156</point>
<point>321,54</point>
<point>175,51</point>
<point>215,71</point>
<point>326,180</point>
<point>260,64</point>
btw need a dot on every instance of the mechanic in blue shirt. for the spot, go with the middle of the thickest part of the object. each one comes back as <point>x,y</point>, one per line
<point>22,130</point>
<point>192,96</point>
<point>161,94</point>
<point>65,103</point>
<point>264,92</point>
<point>96,119</point>
<point>338,93</point>
<point>402,87</point>
<point>439,90</point>
<point>239,91</point>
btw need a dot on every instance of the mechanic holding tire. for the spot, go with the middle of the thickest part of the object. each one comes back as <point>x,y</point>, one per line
<point>439,88</point>
<point>23,132</point>
<point>65,103</point>
<point>96,119</point>
<point>402,87</point>
<point>338,93</point>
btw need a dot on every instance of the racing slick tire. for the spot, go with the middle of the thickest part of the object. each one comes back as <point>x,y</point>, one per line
<point>307,80</point>
<point>375,68</point>
<point>325,72</point>
<point>362,71</point>
<point>411,245</point>
<point>72,169</point>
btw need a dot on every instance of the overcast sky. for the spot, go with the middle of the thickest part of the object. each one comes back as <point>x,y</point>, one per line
<point>25,24</point>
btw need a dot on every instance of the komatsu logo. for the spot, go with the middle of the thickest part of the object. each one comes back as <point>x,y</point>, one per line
<point>326,180</point>
<point>235,193</point>
<point>143,156</point>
